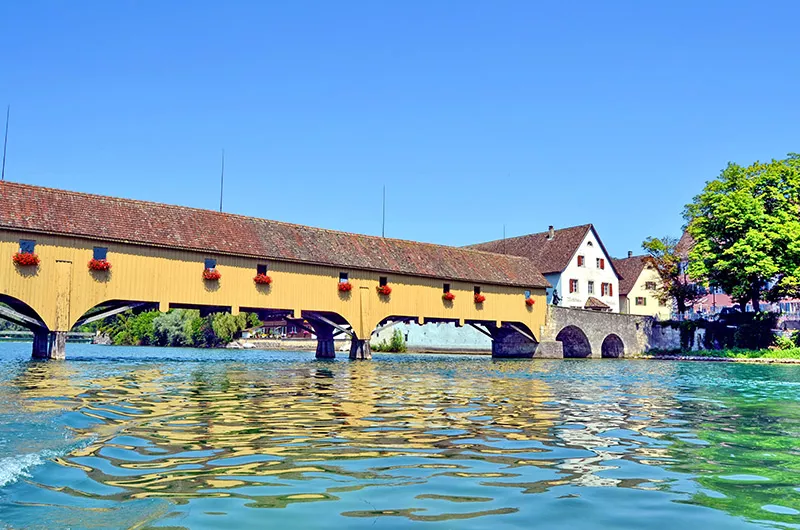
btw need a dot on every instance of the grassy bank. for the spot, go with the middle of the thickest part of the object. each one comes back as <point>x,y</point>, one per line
<point>792,353</point>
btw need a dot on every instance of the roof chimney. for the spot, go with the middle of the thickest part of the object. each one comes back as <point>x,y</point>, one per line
<point>551,233</point>
<point>630,253</point>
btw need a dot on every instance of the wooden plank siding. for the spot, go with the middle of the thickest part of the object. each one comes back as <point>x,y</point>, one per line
<point>143,273</point>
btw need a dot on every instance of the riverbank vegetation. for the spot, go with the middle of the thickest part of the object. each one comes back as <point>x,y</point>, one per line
<point>178,327</point>
<point>397,344</point>
<point>793,353</point>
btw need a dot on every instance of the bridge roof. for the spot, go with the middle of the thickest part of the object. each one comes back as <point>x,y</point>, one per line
<point>51,211</point>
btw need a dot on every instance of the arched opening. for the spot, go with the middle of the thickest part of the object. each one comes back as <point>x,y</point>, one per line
<point>18,316</point>
<point>330,328</point>
<point>574,342</point>
<point>613,347</point>
<point>434,334</point>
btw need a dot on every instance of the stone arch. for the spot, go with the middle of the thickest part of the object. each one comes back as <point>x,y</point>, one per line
<point>612,347</point>
<point>574,342</point>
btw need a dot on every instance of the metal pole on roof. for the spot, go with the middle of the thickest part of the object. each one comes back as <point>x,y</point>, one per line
<point>383,223</point>
<point>221,180</point>
<point>5,143</point>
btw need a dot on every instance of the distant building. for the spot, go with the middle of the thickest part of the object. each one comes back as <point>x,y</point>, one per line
<point>639,288</point>
<point>574,261</point>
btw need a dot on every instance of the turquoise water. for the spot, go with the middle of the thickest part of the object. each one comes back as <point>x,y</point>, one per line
<point>167,438</point>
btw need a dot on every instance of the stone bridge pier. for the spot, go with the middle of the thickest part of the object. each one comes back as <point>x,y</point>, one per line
<point>582,333</point>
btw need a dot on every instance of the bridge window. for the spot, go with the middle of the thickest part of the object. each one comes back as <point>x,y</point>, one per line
<point>590,287</point>
<point>527,294</point>
<point>573,286</point>
<point>383,281</point>
<point>446,288</point>
<point>581,261</point>
<point>477,289</point>
<point>100,253</point>
<point>343,277</point>
<point>211,263</point>
<point>261,269</point>
<point>26,246</point>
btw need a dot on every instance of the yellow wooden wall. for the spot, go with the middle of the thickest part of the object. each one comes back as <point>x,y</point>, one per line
<point>168,276</point>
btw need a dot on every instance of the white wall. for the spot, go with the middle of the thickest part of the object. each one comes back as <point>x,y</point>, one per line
<point>591,249</point>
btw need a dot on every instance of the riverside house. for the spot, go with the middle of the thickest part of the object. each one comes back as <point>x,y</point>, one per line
<point>638,288</point>
<point>574,261</point>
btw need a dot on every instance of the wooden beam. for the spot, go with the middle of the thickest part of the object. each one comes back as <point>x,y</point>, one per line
<point>314,316</point>
<point>299,323</point>
<point>109,313</point>
<point>522,332</point>
<point>23,320</point>
<point>482,330</point>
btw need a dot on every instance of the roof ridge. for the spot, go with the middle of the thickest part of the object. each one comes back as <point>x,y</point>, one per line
<point>587,226</point>
<point>253,218</point>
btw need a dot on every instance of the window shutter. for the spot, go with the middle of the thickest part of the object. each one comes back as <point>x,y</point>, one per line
<point>610,289</point>
<point>602,263</point>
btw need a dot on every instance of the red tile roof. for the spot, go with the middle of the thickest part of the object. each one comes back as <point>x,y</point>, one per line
<point>629,269</point>
<point>52,211</point>
<point>595,303</point>
<point>549,255</point>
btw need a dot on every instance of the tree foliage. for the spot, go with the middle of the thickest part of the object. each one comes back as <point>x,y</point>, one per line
<point>179,327</point>
<point>746,227</point>
<point>675,285</point>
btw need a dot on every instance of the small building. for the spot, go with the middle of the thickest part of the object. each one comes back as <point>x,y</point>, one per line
<point>639,288</point>
<point>574,261</point>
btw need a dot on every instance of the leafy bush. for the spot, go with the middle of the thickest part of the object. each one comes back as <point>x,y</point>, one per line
<point>397,344</point>
<point>782,342</point>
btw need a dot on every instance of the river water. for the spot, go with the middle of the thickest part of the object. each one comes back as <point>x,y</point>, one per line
<point>165,438</point>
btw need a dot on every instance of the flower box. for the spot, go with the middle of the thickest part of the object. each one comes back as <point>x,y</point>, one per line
<point>262,279</point>
<point>99,265</point>
<point>211,275</point>
<point>26,259</point>
<point>529,302</point>
<point>479,298</point>
<point>345,287</point>
<point>385,290</point>
<point>449,297</point>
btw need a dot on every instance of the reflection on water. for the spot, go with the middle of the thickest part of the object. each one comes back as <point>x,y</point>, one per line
<point>145,438</point>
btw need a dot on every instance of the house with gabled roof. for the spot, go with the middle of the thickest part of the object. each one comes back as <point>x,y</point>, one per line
<point>574,261</point>
<point>639,288</point>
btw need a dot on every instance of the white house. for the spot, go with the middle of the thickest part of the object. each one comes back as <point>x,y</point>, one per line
<point>573,260</point>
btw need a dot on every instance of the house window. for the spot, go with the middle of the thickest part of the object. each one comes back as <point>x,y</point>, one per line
<point>650,285</point>
<point>211,263</point>
<point>573,286</point>
<point>383,281</point>
<point>100,253</point>
<point>641,300</point>
<point>581,261</point>
<point>601,263</point>
<point>527,294</point>
<point>476,290</point>
<point>590,287</point>
<point>261,269</point>
<point>606,289</point>
<point>343,277</point>
<point>446,288</point>
<point>26,246</point>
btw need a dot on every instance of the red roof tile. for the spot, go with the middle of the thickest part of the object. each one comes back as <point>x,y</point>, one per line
<point>595,303</point>
<point>548,255</point>
<point>47,210</point>
<point>629,270</point>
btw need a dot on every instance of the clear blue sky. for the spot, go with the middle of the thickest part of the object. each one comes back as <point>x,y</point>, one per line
<point>474,114</point>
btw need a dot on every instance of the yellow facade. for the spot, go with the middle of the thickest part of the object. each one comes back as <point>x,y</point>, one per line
<point>61,289</point>
<point>640,292</point>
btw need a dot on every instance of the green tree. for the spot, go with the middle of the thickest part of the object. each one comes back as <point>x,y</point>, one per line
<point>675,285</point>
<point>746,229</point>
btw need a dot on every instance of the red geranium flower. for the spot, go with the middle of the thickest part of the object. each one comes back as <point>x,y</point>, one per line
<point>345,287</point>
<point>449,296</point>
<point>530,301</point>
<point>99,265</point>
<point>26,259</point>
<point>479,298</point>
<point>262,279</point>
<point>384,290</point>
<point>211,274</point>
